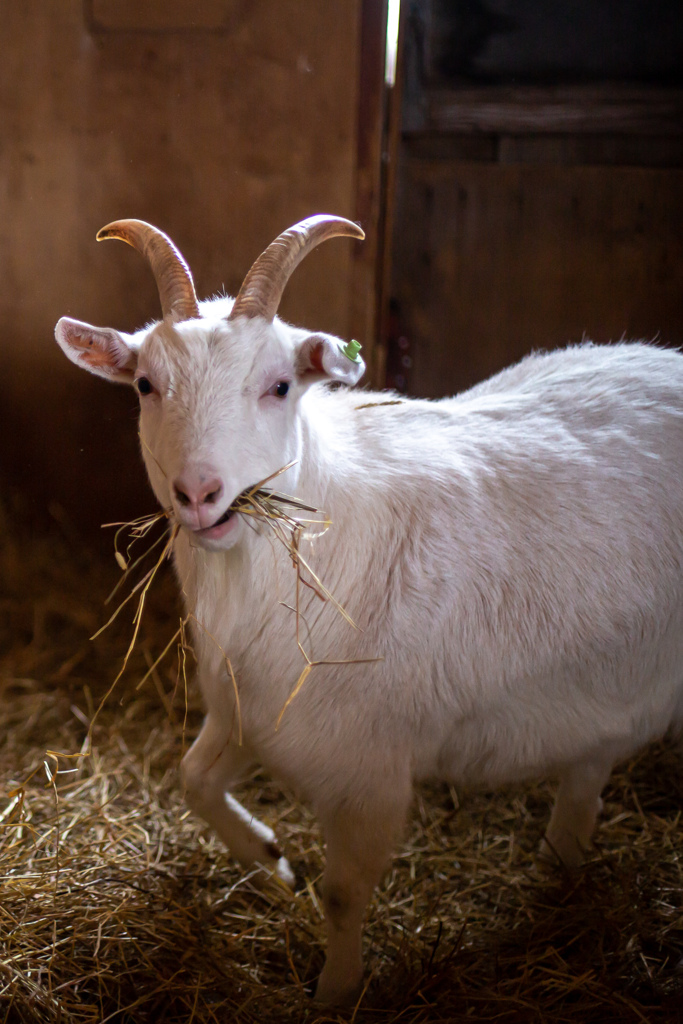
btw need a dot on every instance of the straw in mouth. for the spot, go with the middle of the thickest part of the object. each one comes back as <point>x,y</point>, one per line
<point>260,502</point>
<point>224,518</point>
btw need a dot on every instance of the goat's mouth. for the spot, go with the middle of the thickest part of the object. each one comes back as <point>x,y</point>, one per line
<point>224,523</point>
<point>261,503</point>
<point>223,526</point>
<point>228,514</point>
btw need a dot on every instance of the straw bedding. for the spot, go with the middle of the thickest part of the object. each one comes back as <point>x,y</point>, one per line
<point>116,905</point>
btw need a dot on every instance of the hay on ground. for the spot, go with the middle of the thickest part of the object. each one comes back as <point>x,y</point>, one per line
<point>116,905</point>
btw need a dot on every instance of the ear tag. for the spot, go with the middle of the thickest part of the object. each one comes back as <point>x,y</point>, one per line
<point>351,350</point>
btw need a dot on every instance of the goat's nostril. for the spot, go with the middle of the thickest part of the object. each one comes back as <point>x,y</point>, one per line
<point>193,491</point>
<point>211,492</point>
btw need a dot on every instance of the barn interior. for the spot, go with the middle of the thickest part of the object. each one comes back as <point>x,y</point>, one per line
<point>517,168</point>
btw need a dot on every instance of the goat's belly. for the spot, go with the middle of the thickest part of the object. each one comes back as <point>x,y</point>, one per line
<point>520,740</point>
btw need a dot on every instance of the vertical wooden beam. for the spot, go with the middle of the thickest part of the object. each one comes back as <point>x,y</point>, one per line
<point>390,144</point>
<point>366,272</point>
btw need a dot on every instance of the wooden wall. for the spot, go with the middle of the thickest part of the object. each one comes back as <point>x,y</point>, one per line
<point>540,183</point>
<point>492,260</point>
<point>222,131</point>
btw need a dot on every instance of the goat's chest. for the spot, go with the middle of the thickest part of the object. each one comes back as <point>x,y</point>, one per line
<point>244,636</point>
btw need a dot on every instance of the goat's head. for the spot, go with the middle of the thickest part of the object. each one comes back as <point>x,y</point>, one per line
<point>219,394</point>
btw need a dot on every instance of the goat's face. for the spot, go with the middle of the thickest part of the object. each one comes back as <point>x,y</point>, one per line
<point>219,404</point>
<point>218,414</point>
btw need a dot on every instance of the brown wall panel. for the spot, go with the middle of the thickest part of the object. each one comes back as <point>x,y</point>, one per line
<point>491,261</point>
<point>223,138</point>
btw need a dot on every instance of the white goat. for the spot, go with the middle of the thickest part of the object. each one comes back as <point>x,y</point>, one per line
<point>514,556</point>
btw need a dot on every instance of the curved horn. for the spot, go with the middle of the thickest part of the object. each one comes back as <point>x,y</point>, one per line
<point>172,274</point>
<point>263,286</point>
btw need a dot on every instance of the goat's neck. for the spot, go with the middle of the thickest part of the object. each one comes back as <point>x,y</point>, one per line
<point>329,458</point>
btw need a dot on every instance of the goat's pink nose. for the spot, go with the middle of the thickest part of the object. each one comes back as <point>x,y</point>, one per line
<point>193,491</point>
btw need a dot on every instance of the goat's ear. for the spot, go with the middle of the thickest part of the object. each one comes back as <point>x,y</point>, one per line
<point>100,350</point>
<point>324,357</point>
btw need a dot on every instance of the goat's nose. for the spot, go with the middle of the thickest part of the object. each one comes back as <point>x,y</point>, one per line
<point>195,492</point>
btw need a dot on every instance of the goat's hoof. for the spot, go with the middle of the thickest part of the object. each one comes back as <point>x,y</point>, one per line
<point>272,872</point>
<point>283,871</point>
<point>331,991</point>
<point>561,851</point>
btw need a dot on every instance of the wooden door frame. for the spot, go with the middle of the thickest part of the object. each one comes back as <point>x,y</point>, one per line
<point>377,131</point>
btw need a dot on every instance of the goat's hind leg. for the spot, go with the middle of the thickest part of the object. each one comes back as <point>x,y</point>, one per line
<point>575,811</point>
<point>211,765</point>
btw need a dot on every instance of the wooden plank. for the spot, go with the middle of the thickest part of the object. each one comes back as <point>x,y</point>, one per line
<point>493,261</point>
<point>161,15</point>
<point>223,139</point>
<point>571,150</point>
<point>589,150</point>
<point>580,109</point>
<point>366,266</point>
<point>390,150</point>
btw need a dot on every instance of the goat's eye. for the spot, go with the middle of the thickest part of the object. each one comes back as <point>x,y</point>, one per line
<point>144,386</point>
<point>277,390</point>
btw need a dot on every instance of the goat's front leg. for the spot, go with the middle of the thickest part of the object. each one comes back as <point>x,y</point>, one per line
<point>359,845</point>
<point>211,765</point>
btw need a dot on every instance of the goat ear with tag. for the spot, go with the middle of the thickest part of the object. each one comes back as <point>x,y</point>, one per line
<point>101,350</point>
<point>324,357</point>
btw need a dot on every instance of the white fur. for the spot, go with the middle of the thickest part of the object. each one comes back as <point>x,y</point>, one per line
<point>513,555</point>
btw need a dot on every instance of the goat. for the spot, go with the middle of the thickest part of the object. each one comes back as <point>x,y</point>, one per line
<point>512,555</point>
